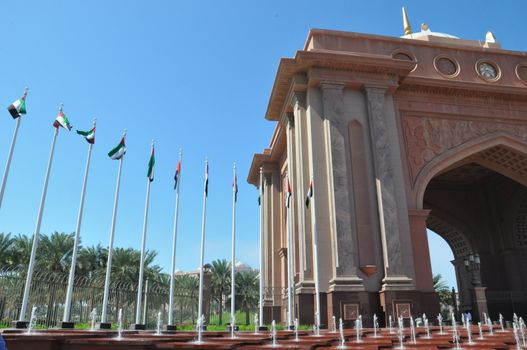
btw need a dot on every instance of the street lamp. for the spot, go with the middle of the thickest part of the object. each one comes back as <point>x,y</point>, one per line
<point>472,266</point>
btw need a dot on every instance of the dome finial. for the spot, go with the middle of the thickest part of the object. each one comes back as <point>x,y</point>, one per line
<point>490,38</point>
<point>425,27</point>
<point>406,23</point>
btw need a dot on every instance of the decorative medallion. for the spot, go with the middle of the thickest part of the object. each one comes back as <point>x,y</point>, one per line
<point>446,66</point>
<point>487,70</point>
<point>521,72</point>
<point>350,311</point>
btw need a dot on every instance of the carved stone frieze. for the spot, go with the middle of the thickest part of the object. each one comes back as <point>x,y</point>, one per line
<point>385,178</point>
<point>426,138</point>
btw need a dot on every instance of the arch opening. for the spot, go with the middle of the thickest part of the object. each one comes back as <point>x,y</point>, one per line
<point>478,205</point>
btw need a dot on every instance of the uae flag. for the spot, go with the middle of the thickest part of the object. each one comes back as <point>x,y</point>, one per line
<point>18,108</point>
<point>61,120</point>
<point>309,193</point>
<point>207,179</point>
<point>288,195</point>
<point>151,164</point>
<point>88,135</point>
<point>235,187</point>
<point>119,151</point>
<point>176,175</point>
<point>260,192</point>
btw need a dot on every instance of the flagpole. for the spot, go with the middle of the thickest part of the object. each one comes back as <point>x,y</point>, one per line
<point>174,240</point>
<point>36,236</point>
<point>233,247</point>
<point>315,257</point>
<point>261,296</point>
<point>289,259</point>
<point>10,156</point>
<point>67,303</point>
<point>104,324</point>
<point>138,324</point>
<point>202,251</point>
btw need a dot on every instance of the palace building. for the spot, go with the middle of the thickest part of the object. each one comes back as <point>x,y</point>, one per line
<point>399,135</point>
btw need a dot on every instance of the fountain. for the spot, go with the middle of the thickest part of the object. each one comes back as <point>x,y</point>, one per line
<point>502,324</point>
<point>341,334</point>
<point>120,324</point>
<point>485,318</point>
<point>375,326</point>
<point>427,327</point>
<point>455,335</point>
<point>358,327</point>
<point>469,332</point>
<point>316,327</point>
<point>390,324</point>
<point>199,329</point>
<point>273,333</point>
<point>440,322</point>
<point>489,324</point>
<point>412,330</point>
<point>400,332</point>
<point>480,329</point>
<point>516,336</point>
<point>158,327</point>
<point>256,323</point>
<point>334,325</point>
<point>233,326</point>
<point>296,330</point>
<point>93,318</point>
<point>522,330</point>
<point>32,320</point>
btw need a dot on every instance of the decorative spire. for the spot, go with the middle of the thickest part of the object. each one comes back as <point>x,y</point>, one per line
<point>406,23</point>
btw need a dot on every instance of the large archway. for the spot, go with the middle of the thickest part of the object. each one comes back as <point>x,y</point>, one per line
<point>478,204</point>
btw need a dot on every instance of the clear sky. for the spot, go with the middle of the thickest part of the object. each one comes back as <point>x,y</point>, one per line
<point>194,75</point>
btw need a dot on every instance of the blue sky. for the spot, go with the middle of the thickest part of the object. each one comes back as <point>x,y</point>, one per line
<point>194,75</point>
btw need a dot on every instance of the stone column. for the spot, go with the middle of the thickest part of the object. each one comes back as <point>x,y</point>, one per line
<point>299,187</point>
<point>396,274</point>
<point>344,239</point>
<point>291,167</point>
<point>479,304</point>
<point>423,268</point>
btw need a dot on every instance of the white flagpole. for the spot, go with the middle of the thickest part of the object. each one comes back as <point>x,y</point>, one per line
<point>36,236</point>
<point>315,256</point>
<point>289,260</point>
<point>67,303</point>
<point>233,247</point>
<point>174,240</point>
<point>10,156</point>
<point>110,244</point>
<point>261,296</point>
<point>202,251</point>
<point>143,244</point>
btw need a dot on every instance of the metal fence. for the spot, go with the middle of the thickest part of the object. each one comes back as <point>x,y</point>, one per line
<point>48,293</point>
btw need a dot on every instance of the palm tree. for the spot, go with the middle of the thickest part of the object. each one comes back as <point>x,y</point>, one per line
<point>247,287</point>
<point>56,252</point>
<point>21,251</point>
<point>91,259</point>
<point>220,283</point>
<point>189,285</point>
<point>6,245</point>
<point>442,289</point>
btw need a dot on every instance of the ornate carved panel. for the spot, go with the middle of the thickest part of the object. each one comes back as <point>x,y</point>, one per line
<point>426,138</point>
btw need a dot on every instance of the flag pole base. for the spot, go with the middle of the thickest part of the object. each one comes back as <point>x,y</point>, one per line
<point>138,327</point>
<point>67,325</point>
<point>105,325</point>
<point>263,328</point>
<point>236,328</point>
<point>21,324</point>
<point>171,327</point>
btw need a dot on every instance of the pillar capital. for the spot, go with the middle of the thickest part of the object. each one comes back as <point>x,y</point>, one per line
<point>298,99</point>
